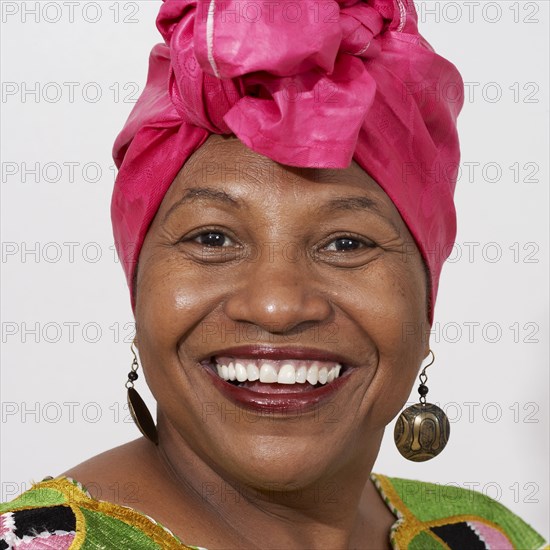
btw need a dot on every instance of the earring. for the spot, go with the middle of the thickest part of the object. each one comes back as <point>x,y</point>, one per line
<point>138,409</point>
<point>422,430</point>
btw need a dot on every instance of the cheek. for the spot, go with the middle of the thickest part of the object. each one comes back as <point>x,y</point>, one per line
<point>173,299</point>
<point>178,310</point>
<point>388,300</point>
<point>392,310</point>
<point>171,294</point>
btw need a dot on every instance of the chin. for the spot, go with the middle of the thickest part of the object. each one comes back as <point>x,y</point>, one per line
<point>283,463</point>
<point>285,475</point>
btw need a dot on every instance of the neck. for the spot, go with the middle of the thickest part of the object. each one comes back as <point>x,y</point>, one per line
<point>341,509</point>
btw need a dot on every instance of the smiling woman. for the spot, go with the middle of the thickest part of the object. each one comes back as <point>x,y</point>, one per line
<point>282,226</point>
<point>310,278</point>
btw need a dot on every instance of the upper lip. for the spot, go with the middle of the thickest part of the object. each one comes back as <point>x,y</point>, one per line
<point>278,353</point>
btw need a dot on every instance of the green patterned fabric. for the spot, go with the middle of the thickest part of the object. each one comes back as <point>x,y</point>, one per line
<point>35,497</point>
<point>59,513</point>
<point>102,530</point>
<point>434,516</point>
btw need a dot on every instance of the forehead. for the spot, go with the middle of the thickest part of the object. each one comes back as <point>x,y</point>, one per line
<point>225,162</point>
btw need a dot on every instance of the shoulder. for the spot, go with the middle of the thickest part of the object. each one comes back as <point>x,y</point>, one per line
<point>113,463</point>
<point>62,513</point>
<point>431,515</point>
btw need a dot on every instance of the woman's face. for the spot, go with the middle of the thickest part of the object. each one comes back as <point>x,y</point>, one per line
<point>283,270</point>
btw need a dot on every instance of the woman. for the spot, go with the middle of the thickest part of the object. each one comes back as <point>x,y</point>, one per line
<point>283,293</point>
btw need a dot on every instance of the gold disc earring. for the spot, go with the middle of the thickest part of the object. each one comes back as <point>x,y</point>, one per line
<point>422,430</point>
<point>138,409</point>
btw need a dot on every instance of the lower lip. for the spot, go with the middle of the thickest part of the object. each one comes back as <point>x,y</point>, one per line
<point>278,402</point>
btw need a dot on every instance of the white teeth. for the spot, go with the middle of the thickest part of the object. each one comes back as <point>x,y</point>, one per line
<point>268,374</point>
<point>301,374</point>
<point>287,374</point>
<point>312,374</point>
<point>240,372</point>
<point>288,371</point>
<point>252,372</point>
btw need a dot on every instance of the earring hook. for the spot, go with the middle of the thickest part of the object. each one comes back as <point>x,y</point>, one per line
<point>429,364</point>
<point>133,349</point>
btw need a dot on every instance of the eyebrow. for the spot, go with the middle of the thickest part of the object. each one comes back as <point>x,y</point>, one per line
<point>353,203</point>
<point>201,193</point>
<point>359,202</point>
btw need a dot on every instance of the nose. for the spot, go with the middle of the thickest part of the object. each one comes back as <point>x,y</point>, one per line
<point>279,296</point>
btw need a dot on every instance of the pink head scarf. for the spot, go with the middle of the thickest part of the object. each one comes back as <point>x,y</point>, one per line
<point>314,83</point>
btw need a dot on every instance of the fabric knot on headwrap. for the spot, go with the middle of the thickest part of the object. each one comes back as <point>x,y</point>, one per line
<point>313,83</point>
<point>287,78</point>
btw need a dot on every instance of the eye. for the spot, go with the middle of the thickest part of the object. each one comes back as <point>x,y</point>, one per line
<point>213,239</point>
<point>344,244</point>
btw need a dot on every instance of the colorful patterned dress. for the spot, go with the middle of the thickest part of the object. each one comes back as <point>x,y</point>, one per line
<point>60,514</point>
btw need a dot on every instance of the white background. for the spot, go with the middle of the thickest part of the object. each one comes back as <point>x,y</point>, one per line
<point>62,386</point>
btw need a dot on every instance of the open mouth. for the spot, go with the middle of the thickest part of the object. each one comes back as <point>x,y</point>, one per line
<point>276,376</point>
<point>278,380</point>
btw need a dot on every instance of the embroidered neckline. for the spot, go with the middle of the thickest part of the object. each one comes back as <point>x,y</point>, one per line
<point>154,529</point>
<point>82,497</point>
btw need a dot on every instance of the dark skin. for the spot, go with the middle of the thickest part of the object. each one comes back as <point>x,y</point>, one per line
<point>261,253</point>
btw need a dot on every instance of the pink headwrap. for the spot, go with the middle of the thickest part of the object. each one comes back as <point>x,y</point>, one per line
<point>314,83</point>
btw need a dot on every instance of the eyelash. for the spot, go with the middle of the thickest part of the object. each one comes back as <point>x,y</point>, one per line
<point>363,243</point>
<point>210,232</point>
